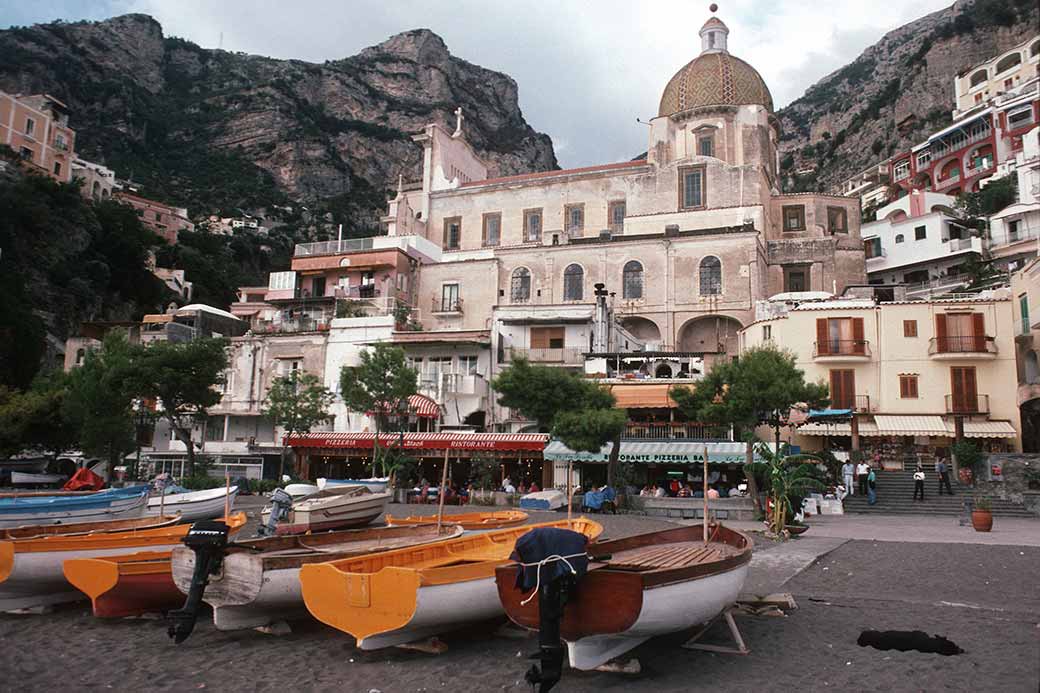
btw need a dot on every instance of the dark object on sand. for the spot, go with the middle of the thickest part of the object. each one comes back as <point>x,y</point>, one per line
<point>797,529</point>
<point>906,640</point>
<point>207,539</point>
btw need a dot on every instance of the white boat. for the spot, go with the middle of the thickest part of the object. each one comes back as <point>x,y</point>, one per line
<point>337,507</point>
<point>301,490</point>
<point>374,484</point>
<point>62,508</point>
<point>33,479</point>
<point>552,499</point>
<point>194,505</point>
<point>651,584</point>
<point>259,580</point>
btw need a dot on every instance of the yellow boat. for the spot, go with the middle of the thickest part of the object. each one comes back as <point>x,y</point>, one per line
<point>31,569</point>
<point>406,594</point>
<point>468,521</point>
<point>125,585</point>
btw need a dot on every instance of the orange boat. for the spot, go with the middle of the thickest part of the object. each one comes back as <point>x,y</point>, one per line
<point>125,585</point>
<point>104,526</point>
<point>31,569</point>
<point>468,521</point>
<point>406,594</point>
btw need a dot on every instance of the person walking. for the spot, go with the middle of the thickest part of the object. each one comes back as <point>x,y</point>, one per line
<point>871,487</point>
<point>862,469</point>
<point>919,483</point>
<point>944,475</point>
<point>847,472</point>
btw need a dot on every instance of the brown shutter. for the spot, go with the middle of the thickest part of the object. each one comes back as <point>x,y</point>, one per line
<point>940,334</point>
<point>822,337</point>
<point>539,338</point>
<point>978,331</point>
<point>849,388</point>
<point>971,390</point>
<point>912,386</point>
<point>904,387</point>
<point>858,345</point>
<point>836,384</point>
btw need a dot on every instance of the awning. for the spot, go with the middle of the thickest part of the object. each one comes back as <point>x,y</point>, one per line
<point>660,452</point>
<point>837,429</point>
<point>642,396</point>
<point>424,407</point>
<point>153,318</point>
<point>889,425</point>
<point>533,442</point>
<point>984,429</point>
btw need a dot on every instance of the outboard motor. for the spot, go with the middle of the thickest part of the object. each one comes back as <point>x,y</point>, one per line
<point>281,504</point>
<point>208,539</point>
<point>552,560</point>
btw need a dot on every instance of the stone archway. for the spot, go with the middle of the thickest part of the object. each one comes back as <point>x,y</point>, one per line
<point>710,334</point>
<point>641,328</point>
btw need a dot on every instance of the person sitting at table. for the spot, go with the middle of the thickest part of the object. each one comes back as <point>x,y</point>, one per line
<point>685,492</point>
<point>424,492</point>
<point>508,487</point>
<point>533,488</point>
<point>521,489</point>
<point>659,492</point>
<point>645,491</point>
<point>712,493</point>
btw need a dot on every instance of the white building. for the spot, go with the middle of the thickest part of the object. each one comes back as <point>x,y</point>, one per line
<point>1015,230</point>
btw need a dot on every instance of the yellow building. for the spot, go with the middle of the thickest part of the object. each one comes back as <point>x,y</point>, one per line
<point>916,374</point>
<point>1025,292</point>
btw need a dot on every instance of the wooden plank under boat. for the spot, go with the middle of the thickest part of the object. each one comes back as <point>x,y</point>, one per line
<point>125,585</point>
<point>652,584</point>
<point>402,595</point>
<point>57,509</point>
<point>195,505</point>
<point>259,581</point>
<point>336,507</point>
<point>31,569</point>
<point>470,521</point>
<point>31,531</point>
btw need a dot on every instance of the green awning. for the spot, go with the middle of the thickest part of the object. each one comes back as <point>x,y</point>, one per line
<point>655,452</point>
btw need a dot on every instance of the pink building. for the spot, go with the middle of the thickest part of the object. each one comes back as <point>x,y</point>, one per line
<point>37,129</point>
<point>165,220</point>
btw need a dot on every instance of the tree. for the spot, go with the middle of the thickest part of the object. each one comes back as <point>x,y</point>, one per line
<point>579,412</point>
<point>99,400</point>
<point>181,377</point>
<point>760,388</point>
<point>790,476</point>
<point>379,386</point>
<point>297,403</point>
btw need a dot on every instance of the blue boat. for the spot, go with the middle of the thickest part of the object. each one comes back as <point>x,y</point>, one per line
<point>62,509</point>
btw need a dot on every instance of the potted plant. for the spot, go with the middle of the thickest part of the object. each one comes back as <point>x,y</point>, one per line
<point>790,478</point>
<point>982,514</point>
<point>968,459</point>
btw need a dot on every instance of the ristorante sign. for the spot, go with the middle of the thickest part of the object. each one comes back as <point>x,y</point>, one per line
<point>441,442</point>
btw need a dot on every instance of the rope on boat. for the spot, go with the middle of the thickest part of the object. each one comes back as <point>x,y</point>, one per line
<point>549,559</point>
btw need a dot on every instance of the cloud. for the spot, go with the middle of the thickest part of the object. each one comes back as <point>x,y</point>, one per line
<point>586,69</point>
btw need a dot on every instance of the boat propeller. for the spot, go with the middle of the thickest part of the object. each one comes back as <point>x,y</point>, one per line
<point>208,539</point>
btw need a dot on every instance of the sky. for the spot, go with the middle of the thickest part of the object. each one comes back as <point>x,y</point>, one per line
<point>586,69</point>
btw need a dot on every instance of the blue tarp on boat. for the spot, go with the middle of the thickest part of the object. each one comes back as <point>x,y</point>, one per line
<point>100,499</point>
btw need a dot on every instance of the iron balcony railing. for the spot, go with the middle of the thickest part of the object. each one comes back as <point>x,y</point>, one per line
<point>967,404</point>
<point>841,347</point>
<point>347,245</point>
<point>676,431</point>
<point>962,344</point>
<point>447,305</point>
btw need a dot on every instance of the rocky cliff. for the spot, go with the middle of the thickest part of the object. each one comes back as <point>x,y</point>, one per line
<point>216,130</point>
<point>896,92</point>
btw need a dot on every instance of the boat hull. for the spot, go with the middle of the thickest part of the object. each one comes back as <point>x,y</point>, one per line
<point>323,514</point>
<point>75,509</point>
<point>30,479</point>
<point>197,505</point>
<point>126,585</point>
<point>373,485</point>
<point>468,521</point>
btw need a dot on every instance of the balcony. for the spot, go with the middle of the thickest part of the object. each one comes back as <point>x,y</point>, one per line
<point>348,245</point>
<point>447,305</point>
<point>440,386</point>
<point>962,347</point>
<point>291,326</point>
<point>563,356</point>
<point>837,350</point>
<point>967,404</point>
<point>635,430</point>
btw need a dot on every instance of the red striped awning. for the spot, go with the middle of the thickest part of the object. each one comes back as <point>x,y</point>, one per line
<point>457,440</point>
<point>424,407</point>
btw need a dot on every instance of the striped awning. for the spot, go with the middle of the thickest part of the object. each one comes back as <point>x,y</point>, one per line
<point>424,407</point>
<point>891,425</point>
<point>642,396</point>
<point>655,452</point>
<point>866,428</point>
<point>984,429</point>
<point>456,440</point>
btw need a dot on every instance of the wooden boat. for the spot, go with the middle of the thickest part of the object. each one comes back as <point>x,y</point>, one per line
<point>63,508</point>
<point>402,595</point>
<point>337,507</point>
<point>72,528</point>
<point>259,582</point>
<point>194,505</point>
<point>31,569</point>
<point>125,585</point>
<point>374,484</point>
<point>655,583</point>
<point>36,479</point>
<point>469,521</point>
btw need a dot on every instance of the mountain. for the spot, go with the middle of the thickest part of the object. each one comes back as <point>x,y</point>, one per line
<point>213,130</point>
<point>896,92</point>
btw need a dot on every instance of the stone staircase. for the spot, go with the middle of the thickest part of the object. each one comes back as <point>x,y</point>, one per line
<point>895,496</point>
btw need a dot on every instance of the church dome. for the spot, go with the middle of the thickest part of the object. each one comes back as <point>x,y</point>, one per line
<point>714,78</point>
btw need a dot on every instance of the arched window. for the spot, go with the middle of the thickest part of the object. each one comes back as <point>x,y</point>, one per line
<point>1008,62</point>
<point>899,238</point>
<point>1035,48</point>
<point>632,280</point>
<point>520,285</point>
<point>711,276</point>
<point>573,283</point>
<point>979,77</point>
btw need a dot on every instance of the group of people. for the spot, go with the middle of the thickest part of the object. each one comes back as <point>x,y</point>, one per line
<point>675,489</point>
<point>864,476</point>
<point>508,487</point>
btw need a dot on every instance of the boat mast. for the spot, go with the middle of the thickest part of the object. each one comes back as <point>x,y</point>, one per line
<point>705,494</point>
<point>443,490</point>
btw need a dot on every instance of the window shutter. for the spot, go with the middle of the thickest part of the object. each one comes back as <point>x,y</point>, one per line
<point>978,331</point>
<point>539,338</point>
<point>912,386</point>
<point>849,388</point>
<point>940,333</point>
<point>822,340</point>
<point>904,387</point>
<point>858,344</point>
<point>836,384</point>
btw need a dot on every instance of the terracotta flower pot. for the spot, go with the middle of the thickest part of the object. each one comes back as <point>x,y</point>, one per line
<point>982,520</point>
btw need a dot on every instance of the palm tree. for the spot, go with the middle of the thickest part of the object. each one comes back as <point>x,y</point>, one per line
<point>789,476</point>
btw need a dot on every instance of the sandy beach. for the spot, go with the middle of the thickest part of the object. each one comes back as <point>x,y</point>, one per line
<point>983,598</point>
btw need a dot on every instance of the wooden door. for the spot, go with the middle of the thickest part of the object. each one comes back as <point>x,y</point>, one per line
<point>964,389</point>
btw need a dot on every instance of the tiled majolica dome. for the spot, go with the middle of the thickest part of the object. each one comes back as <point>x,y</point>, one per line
<point>714,78</point>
